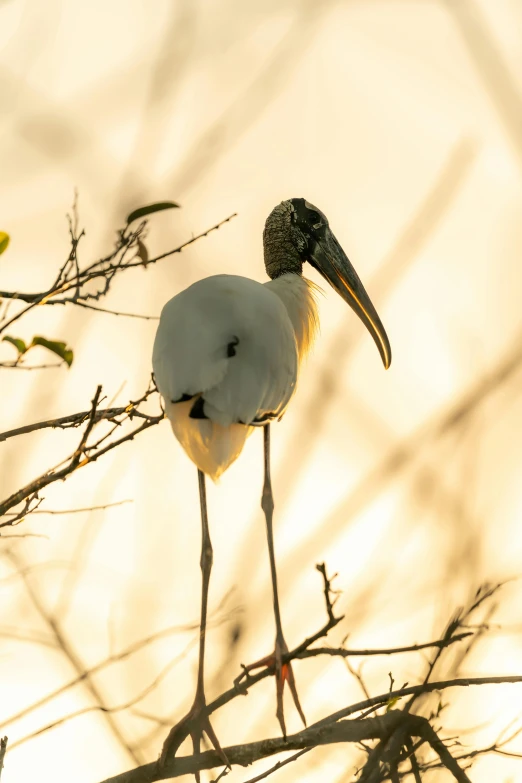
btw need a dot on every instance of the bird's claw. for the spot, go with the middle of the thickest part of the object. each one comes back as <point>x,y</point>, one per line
<point>193,725</point>
<point>283,673</point>
<point>286,674</point>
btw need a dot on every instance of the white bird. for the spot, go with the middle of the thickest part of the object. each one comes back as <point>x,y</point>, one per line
<point>226,359</point>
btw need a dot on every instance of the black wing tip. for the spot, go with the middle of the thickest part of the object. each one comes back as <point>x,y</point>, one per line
<point>231,347</point>
<point>183,398</point>
<point>261,421</point>
<point>197,411</point>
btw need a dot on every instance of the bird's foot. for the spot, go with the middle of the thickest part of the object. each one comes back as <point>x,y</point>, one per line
<point>193,725</point>
<point>283,674</point>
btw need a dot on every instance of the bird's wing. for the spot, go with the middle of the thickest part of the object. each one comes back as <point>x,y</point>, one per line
<point>230,340</point>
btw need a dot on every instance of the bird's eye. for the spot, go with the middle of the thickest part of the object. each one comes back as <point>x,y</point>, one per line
<point>314,217</point>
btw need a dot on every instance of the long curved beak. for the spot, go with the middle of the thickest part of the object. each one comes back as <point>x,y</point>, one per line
<point>331,261</point>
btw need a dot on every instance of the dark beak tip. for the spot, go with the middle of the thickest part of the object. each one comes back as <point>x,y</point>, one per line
<point>384,349</point>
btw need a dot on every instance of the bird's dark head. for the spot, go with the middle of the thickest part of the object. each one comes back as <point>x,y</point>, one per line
<point>289,230</point>
<point>296,231</point>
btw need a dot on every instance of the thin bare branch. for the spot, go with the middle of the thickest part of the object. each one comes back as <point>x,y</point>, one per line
<point>344,652</point>
<point>16,365</point>
<point>77,419</point>
<point>104,269</point>
<point>83,454</point>
<point>3,749</point>
<point>57,512</point>
<point>116,312</point>
<point>279,764</point>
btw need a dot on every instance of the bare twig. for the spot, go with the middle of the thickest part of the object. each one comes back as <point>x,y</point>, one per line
<point>117,312</point>
<point>345,652</point>
<point>330,595</point>
<point>84,453</point>
<point>17,365</point>
<point>77,419</point>
<point>357,674</point>
<point>3,749</point>
<point>70,284</point>
<point>3,536</point>
<point>279,764</point>
<point>56,512</point>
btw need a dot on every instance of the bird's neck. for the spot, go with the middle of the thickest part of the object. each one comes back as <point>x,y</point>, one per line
<point>297,294</point>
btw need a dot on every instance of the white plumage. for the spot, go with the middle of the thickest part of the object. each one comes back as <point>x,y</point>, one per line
<point>236,343</point>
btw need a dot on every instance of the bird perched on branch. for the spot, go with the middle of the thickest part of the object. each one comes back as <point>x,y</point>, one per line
<point>226,360</point>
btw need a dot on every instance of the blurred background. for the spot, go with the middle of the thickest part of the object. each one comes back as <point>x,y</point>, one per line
<point>402,121</point>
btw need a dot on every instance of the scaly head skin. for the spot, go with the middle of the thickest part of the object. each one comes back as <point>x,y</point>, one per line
<point>295,232</point>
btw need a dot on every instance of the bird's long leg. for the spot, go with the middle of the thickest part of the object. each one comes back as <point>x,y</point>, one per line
<point>283,671</point>
<point>196,721</point>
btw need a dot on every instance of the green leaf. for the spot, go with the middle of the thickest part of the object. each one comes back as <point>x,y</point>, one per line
<point>19,344</point>
<point>150,209</point>
<point>391,703</point>
<point>57,347</point>
<point>4,241</point>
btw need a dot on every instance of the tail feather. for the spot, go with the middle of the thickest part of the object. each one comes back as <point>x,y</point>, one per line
<point>212,447</point>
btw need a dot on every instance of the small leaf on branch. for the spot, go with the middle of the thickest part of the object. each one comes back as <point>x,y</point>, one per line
<point>150,209</point>
<point>4,241</point>
<point>143,253</point>
<point>391,703</point>
<point>19,344</point>
<point>56,347</point>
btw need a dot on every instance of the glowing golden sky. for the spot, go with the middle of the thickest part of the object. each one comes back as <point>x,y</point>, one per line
<point>402,122</point>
